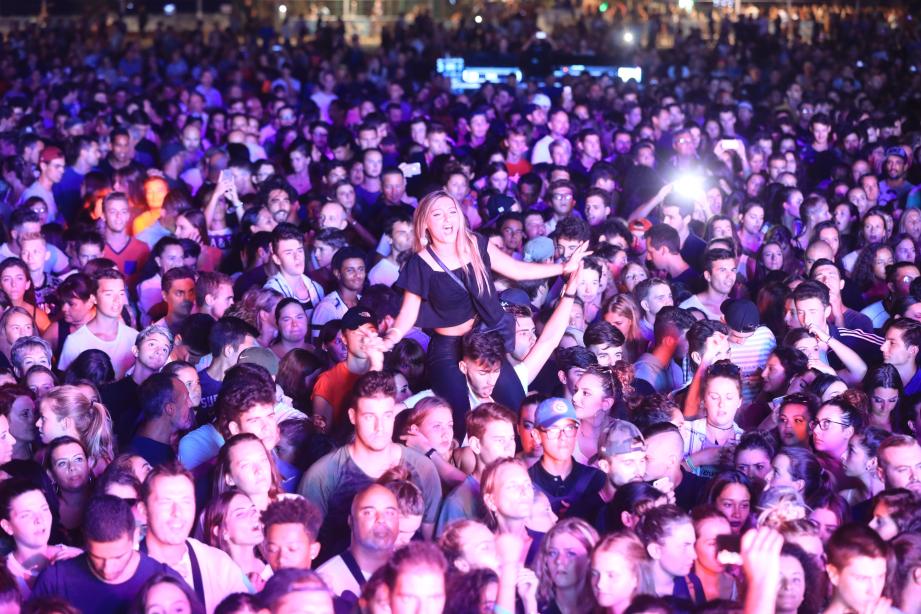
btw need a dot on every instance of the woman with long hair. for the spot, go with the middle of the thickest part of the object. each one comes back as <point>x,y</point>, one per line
<point>66,411</point>
<point>433,297</point>
<point>884,386</point>
<point>17,405</point>
<point>862,463</point>
<point>799,468</point>
<point>709,524</point>
<point>76,309</point>
<point>430,426</point>
<point>232,524</point>
<point>68,465</point>
<point>244,463</point>
<point>191,224</point>
<point>257,308</point>
<point>293,326</point>
<point>622,312</point>
<point>563,567</point>
<point>869,274</point>
<point>16,289</point>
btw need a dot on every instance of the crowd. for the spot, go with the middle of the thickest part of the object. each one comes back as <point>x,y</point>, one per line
<point>289,326</point>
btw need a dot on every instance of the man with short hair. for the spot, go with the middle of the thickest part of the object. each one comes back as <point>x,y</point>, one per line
<point>332,482</point>
<point>676,212</point>
<point>900,463</point>
<point>572,488</point>
<point>720,272</point>
<point>652,295</point>
<point>571,363</point>
<point>813,309</point>
<point>898,280</point>
<point>178,288</point>
<point>165,412</point>
<point>332,388</point>
<point>227,340</point>
<point>662,367</point>
<point>398,233</point>
<point>280,199</point>
<point>895,187</point>
<point>663,252</point>
<point>213,294</point>
<point>121,248</point>
<point>831,275</point>
<point>106,331</point>
<point>122,398</point>
<point>110,573</point>
<point>562,197</point>
<point>51,170</point>
<point>558,123</point>
<point>29,351</point>
<point>68,191</point>
<point>664,456</point>
<point>288,254</point>
<point>606,342</point>
<point>348,266</point>
<point>291,526</point>
<point>490,437</point>
<point>374,520</point>
<point>24,221</point>
<point>168,498</point>
<point>750,344</point>
<point>900,349</point>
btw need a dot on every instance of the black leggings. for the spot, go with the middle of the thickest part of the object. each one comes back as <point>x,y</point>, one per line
<point>448,382</point>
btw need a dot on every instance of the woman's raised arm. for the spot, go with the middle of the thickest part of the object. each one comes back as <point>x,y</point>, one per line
<point>505,265</point>
<point>404,321</point>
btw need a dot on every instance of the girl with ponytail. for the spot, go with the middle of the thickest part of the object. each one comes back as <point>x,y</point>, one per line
<point>799,468</point>
<point>66,411</point>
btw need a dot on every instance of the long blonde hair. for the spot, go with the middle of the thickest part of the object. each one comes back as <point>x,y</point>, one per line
<point>467,249</point>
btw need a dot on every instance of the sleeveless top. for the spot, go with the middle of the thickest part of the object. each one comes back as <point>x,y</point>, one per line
<point>444,303</point>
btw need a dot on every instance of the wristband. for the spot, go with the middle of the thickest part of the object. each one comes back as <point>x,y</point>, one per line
<point>690,464</point>
<point>430,452</point>
<point>573,295</point>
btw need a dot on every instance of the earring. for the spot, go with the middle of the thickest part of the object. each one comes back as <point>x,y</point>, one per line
<point>425,240</point>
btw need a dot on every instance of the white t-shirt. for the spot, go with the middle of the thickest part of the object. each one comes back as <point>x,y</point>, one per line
<point>220,576</point>
<point>119,349</point>
<point>338,577</point>
<point>384,272</point>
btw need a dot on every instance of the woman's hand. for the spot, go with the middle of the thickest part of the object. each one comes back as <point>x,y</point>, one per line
<point>575,260</point>
<point>527,589</point>
<point>573,282</point>
<point>416,440</point>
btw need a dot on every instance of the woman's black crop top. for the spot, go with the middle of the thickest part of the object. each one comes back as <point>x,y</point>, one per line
<point>444,303</point>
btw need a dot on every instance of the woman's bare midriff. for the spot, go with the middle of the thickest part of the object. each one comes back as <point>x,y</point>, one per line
<point>458,330</point>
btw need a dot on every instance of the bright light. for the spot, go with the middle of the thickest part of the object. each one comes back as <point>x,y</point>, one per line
<point>689,185</point>
<point>478,19</point>
<point>603,7</point>
<point>686,5</point>
<point>628,38</point>
<point>169,9</point>
<point>283,8</point>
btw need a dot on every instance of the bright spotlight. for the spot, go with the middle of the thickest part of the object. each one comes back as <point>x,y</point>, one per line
<point>689,185</point>
<point>478,19</point>
<point>282,9</point>
<point>628,38</point>
<point>686,5</point>
<point>169,9</point>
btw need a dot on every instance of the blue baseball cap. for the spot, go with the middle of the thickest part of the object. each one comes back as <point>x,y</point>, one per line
<point>552,410</point>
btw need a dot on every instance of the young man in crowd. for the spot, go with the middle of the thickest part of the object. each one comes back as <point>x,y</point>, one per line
<point>720,272</point>
<point>292,527</point>
<point>651,295</point>
<point>213,294</point>
<point>229,337</point>
<point>178,291</point>
<point>121,248</point>
<point>333,481</point>
<point>348,266</point>
<point>168,254</point>
<point>165,413</point>
<point>106,331</point>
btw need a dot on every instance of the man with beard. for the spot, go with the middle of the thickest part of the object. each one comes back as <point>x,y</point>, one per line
<point>348,266</point>
<point>895,186</point>
<point>280,199</point>
<point>178,288</point>
<point>375,523</point>
<point>621,455</point>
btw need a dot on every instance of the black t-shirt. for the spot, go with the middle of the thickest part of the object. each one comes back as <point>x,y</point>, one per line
<point>152,451</point>
<point>123,402</point>
<point>575,496</point>
<point>444,302</point>
<point>73,581</point>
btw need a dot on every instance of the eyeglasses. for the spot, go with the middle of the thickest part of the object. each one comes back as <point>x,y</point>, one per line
<point>825,424</point>
<point>554,432</point>
<point>563,196</point>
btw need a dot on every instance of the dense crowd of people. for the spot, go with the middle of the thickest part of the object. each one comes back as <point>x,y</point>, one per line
<point>289,326</point>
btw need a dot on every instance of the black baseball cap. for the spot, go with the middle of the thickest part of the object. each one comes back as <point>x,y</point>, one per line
<point>355,318</point>
<point>741,315</point>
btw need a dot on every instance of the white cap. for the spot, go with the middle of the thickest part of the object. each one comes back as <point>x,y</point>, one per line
<point>541,100</point>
